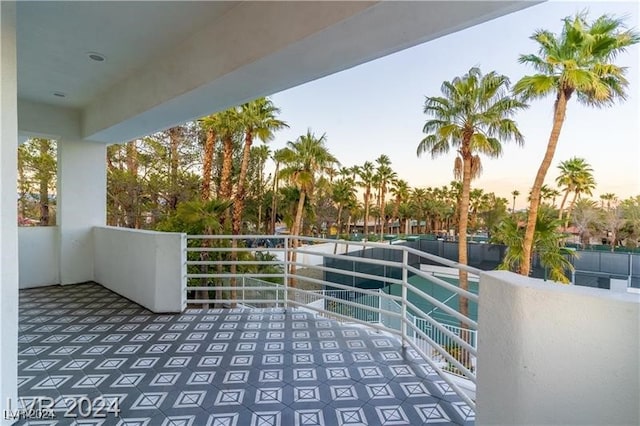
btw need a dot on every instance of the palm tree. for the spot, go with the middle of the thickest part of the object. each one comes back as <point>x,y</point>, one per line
<point>419,199</point>
<point>576,175</point>
<point>343,194</point>
<point>400,191</point>
<point>304,159</point>
<point>553,257</point>
<point>578,61</point>
<point>258,118</point>
<point>366,174</point>
<point>384,175</point>
<point>514,193</point>
<point>609,197</point>
<point>472,116</point>
<point>548,193</point>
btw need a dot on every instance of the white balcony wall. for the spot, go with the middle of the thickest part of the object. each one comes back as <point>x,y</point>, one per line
<point>38,256</point>
<point>556,354</point>
<point>144,266</point>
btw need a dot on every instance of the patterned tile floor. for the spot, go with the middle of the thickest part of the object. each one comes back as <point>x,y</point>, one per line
<point>91,351</point>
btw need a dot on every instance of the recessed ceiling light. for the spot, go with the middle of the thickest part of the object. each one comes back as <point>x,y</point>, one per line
<point>95,56</point>
<point>59,94</point>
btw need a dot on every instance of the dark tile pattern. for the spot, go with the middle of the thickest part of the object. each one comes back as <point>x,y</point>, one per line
<point>219,367</point>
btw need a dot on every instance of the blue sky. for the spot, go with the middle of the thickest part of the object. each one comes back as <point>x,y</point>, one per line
<point>376,108</point>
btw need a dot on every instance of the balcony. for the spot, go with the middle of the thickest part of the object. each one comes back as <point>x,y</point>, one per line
<point>383,315</point>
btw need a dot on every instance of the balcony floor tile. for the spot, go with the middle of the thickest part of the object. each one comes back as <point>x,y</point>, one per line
<point>218,366</point>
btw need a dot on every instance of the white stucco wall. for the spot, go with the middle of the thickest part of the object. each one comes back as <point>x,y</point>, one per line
<point>38,256</point>
<point>8,211</point>
<point>556,354</point>
<point>144,266</point>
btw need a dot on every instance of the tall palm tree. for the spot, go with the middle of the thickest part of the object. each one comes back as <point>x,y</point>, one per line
<point>304,159</point>
<point>578,61</point>
<point>515,194</point>
<point>342,194</point>
<point>400,191</point>
<point>419,199</point>
<point>473,116</point>
<point>576,175</point>
<point>366,174</point>
<point>258,119</point>
<point>384,176</point>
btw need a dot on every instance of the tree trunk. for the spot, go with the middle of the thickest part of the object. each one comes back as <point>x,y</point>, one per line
<point>274,199</point>
<point>238,205</point>
<point>381,214</point>
<point>132,184</point>
<point>558,120</point>
<point>367,195</point>
<point>463,303</point>
<point>174,144</point>
<point>44,184</point>
<point>207,165</point>
<point>564,200</point>
<point>295,232</point>
<point>570,209</point>
<point>227,165</point>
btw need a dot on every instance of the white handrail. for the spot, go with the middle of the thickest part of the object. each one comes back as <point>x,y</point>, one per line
<point>436,342</point>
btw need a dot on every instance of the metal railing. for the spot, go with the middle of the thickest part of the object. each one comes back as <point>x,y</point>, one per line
<point>330,278</point>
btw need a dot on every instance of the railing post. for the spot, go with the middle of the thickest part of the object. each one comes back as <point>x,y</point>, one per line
<point>243,285</point>
<point>405,274</point>
<point>184,272</point>
<point>286,273</point>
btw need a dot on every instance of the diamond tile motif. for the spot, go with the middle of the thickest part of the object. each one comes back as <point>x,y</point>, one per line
<point>266,418</point>
<point>165,379</point>
<point>235,377</point>
<point>271,375</point>
<point>392,415</point>
<point>230,397</point>
<point>269,396</point>
<point>190,399</point>
<point>343,392</point>
<point>306,394</point>
<point>149,400</point>
<point>414,389</point>
<point>351,417</point>
<point>223,367</point>
<point>309,418</point>
<point>431,413</point>
<point>304,374</point>
<point>200,378</point>
<point>379,391</point>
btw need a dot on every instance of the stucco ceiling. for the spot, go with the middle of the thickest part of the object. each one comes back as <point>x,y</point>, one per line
<point>54,37</point>
<point>172,61</point>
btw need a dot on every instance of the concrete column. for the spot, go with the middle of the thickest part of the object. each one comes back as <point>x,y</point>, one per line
<point>82,189</point>
<point>8,209</point>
